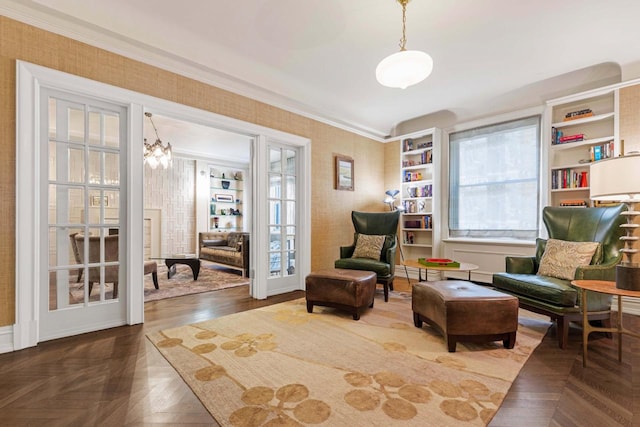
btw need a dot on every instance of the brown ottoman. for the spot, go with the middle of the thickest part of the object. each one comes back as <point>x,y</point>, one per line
<point>350,290</point>
<point>463,311</point>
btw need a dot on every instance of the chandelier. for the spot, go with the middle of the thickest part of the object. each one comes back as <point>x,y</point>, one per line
<point>157,154</point>
<point>407,67</point>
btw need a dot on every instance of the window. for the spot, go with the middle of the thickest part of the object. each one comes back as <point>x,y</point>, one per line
<point>493,176</point>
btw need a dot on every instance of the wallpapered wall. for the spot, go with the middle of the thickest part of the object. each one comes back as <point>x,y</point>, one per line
<point>331,209</point>
<point>173,191</point>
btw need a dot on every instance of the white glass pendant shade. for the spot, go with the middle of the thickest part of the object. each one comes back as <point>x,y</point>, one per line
<point>404,68</point>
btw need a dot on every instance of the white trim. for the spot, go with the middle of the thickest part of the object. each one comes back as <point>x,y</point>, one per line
<point>6,339</point>
<point>54,22</point>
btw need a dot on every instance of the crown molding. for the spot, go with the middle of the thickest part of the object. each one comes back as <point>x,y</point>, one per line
<point>73,28</point>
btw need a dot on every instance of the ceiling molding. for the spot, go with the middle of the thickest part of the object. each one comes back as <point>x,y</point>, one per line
<point>67,26</point>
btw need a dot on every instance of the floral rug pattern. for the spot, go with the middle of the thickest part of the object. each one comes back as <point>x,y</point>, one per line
<point>279,365</point>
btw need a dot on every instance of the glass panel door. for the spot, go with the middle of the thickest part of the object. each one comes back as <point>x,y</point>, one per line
<point>82,141</point>
<point>283,208</point>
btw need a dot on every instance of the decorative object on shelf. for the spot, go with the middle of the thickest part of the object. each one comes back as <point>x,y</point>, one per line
<point>407,67</point>
<point>225,184</point>
<point>157,153</point>
<point>238,175</point>
<point>224,198</point>
<point>618,179</point>
<point>216,222</point>
<point>344,179</point>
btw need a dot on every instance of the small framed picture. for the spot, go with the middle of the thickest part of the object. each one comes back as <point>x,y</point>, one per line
<point>344,173</point>
<point>224,198</point>
<point>95,201</point>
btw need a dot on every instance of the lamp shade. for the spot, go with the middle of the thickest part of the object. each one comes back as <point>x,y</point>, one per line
<point>616,179</point>
<point>404,68</point>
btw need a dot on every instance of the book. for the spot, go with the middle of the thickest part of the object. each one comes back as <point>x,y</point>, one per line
<point>438,262</point>
<point>576,117</point>
<point>576,137</point>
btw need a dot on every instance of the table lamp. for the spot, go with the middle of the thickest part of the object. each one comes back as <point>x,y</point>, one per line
<point>618,179</point>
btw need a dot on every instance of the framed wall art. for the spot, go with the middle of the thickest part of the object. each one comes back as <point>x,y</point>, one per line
<point>344,173</point>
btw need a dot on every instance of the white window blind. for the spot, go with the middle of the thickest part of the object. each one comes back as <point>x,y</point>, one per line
<point>494,174</point>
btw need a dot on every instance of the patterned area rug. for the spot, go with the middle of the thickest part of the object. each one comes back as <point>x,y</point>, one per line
<point>279,365</point>
<point>212,277</point>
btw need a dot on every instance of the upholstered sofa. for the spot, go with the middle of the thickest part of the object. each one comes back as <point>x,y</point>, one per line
<point>554,296</point>
<point>230,249</point>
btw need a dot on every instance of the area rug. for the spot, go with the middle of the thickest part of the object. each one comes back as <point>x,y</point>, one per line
<point>279,365</point>
<point>212,277</point>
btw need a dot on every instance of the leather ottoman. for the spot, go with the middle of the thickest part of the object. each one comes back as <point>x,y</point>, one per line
<point>350,290</point>
<point>463,311</point>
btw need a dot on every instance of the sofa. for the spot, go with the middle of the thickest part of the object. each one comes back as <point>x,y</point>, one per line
<point>230,249</point>
<point>556,297</point>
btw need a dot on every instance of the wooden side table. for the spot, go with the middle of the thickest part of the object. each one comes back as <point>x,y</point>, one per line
<point>414,263</point>
<point>603,287</point>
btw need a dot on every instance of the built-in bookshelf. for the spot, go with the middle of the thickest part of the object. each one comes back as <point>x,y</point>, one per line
<point>226,195</point>
<point>419,226</point>
<point>582,131</point>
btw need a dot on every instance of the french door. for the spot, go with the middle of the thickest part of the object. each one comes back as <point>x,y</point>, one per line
<point>82,159</point>
<point>283,216</point>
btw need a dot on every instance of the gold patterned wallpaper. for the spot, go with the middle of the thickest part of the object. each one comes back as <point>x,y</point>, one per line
<point>331,209</point>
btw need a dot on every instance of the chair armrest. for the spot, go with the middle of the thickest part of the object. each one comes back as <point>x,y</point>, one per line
<point>391,258</point>
<point>599,272</point>
<point>520,264</point>
<point>347,251</point>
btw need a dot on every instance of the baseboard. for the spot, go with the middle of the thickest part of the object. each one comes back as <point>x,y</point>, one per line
<point>6,339</point>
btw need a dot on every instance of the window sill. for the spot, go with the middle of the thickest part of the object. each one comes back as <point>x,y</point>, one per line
<point>500,242</point>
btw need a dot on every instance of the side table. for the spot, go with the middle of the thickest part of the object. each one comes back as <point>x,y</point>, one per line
<point>603,287</point>
<point>414,263</point>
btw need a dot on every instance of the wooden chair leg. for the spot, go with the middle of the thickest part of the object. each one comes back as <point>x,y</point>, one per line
<point>562,326</point>
<point>115,290</point>
<point>154,276</point>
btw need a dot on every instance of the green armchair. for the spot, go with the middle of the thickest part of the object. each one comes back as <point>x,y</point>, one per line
<point>374,223</point>
<point>556,297</point>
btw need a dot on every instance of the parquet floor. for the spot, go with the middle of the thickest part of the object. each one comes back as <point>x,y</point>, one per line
<point>117,378</point>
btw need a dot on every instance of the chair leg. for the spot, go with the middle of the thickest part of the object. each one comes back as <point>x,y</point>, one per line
<point>80,271</point>
<point>386,291</point>
<point>115,290</point>
<point>562,326</point>
<point>154,276</point>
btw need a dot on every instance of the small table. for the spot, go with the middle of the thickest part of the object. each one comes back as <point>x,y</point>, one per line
<point>414,263</point>
<point>187,259</point>
<point>603,287</point>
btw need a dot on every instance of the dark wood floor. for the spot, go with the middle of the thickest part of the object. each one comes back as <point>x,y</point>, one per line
<point>116,377</point>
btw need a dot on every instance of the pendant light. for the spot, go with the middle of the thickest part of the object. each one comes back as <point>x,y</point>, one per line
<point>407,67</point>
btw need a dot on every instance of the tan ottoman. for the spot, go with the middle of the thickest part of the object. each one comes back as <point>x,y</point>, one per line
<point>350,290</point>
<point>463,311</point>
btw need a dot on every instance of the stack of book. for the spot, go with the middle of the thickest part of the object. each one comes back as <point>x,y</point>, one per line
<point>599,152</point>
<point>580,114</point>
<point>575,203</point>
<point>569,178</point>
<point>557,137</point>
<point>423,222</point>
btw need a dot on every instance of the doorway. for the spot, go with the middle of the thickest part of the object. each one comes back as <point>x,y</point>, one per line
<point>30,262</point>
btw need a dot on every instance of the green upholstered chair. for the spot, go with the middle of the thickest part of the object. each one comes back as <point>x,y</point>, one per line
<point>374,223</point>
<point>556,297</point>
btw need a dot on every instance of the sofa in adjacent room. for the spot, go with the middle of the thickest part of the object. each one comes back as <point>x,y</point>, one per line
<point>230,249</point>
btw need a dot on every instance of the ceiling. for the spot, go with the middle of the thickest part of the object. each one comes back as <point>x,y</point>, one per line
<point>318,57</point>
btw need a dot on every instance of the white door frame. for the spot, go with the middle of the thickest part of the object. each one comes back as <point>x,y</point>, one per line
<point>30,78</point>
